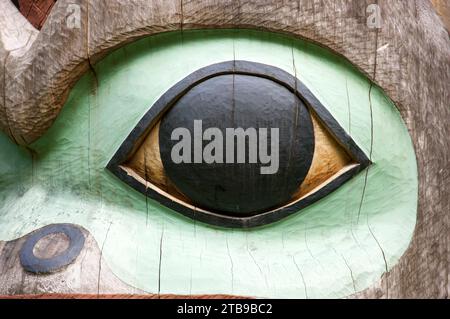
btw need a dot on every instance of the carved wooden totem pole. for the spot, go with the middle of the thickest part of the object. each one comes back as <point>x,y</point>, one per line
<point>266,149</point>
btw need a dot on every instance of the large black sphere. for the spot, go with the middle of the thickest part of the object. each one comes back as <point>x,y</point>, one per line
<point>240,101</point>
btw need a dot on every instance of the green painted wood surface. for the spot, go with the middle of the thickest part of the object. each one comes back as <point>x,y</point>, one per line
<point>333,248</point>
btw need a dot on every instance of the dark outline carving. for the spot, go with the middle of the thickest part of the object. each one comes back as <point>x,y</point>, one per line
<point>168,99</point>
<point>36,265</point>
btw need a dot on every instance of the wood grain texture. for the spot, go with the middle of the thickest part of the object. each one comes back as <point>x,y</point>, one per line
<point>443,8</point>
<point>51,246</point>
<point>409,57</point>
<point>146,162</point>
<point>329,158</point>
<point>13,43</point>
<point>415,71</point>
<point>88,274</point>
<point>88,277</point>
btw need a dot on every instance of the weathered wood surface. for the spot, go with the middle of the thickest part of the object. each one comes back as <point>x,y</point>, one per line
<point>37,11</point>
<point>409,57</point>
<point>87,277</point>
<point>88,274</point>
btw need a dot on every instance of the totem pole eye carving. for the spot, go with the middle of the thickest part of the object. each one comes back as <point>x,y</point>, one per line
<point>237,144</point>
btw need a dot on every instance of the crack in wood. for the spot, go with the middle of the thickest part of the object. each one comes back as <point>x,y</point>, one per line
<point>257,265</point>
<point>160,261</point>
<point>301,275</point>
<point>231,263</point>
<point>100,259</point>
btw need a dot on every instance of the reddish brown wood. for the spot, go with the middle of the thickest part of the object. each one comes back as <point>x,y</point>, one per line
<point>119,296</point>
<point>36,11</point>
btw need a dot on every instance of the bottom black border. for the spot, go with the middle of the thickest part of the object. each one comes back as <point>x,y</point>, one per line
<point>169,308</point>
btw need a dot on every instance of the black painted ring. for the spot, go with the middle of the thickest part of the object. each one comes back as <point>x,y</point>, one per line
<point>37,265</point>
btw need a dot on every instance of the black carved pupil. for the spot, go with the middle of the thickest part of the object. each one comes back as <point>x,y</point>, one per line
<point>247,102</point>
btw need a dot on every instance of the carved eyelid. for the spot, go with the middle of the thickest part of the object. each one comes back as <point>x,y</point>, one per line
<point>321,117</point>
